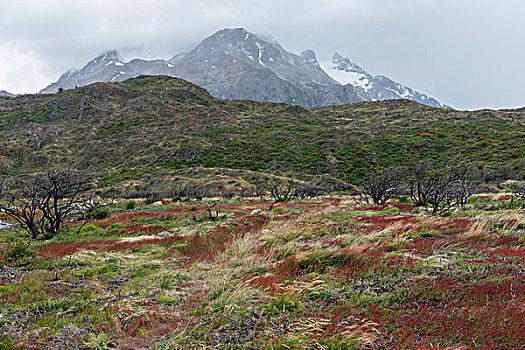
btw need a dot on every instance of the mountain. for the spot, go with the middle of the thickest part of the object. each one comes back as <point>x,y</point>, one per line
<point>108,67</point>
<point>4,93</point>
<point>375,87</point>
<point>236,64</point>
<point>231,64</point>
<point>152,124</point>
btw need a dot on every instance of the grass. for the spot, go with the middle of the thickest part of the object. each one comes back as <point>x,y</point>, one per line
<point>323,274</point>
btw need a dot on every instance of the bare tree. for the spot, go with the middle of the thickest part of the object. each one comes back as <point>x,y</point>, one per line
<point>382,185</point>
<point>40,203</point>
<point>309,190</point>
<point>247,192</point>
<point>518,195</point>
<point>440,188</point>
<point>228,194</point>
<point>463,186</point>
<point>283,190</point>
<point>184,191</point>
<point>260,191</point>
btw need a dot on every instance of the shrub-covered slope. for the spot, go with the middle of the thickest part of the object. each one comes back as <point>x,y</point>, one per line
<point>166,123</point>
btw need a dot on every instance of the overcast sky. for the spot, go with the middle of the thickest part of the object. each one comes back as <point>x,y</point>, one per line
<point>466,53</point>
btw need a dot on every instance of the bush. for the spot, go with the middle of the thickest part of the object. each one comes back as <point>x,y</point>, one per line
<point>20,254</point>
<point>149,200</point>
<point>130,205</point>
<point>403,199</point>
<point>97,214</point>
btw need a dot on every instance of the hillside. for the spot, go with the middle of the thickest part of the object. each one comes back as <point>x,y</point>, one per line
<point>163,123</point>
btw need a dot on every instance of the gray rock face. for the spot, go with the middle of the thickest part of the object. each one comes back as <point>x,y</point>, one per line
<point>108,67</point>
<point>236,64</point>
<point>4,93</point>
<point>376,88</point>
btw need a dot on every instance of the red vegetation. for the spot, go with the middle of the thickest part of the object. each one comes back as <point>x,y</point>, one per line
<point>206,247</point>
<point>447,308</point>
<point>448,226</point>
<point>62,249</point>
<point>380,222</point>
<point>404,207</point>
<point>371,208</point>
<point>265,282</point>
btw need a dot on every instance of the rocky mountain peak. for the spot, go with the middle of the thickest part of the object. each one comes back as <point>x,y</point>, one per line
<point>229,37</point>
<point>236,44</point>
<point>344,64</point>
<point>106,56</point>
<point>376,87</point>
<point>4,93</point>
<point>337,57</point>
<point>308,55</point>
<point>232,33</point>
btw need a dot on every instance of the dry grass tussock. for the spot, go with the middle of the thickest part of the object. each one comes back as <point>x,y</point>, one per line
<point>242,255</point>
<point>316,333</point>
<point>511,216</point>
<point>478,229</point>
<point>286,231</point>
<point>230,293</point>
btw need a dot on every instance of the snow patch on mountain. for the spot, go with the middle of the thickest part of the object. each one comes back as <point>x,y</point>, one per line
<point>377,87</point>
<point>356,79</point>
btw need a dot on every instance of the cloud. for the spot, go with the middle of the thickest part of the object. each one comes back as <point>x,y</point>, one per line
<point>466,53</point>
<point>21,69</point>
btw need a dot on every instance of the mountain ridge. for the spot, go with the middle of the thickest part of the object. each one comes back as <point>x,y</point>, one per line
<point>4,93</point>
<point>236,64</point>
<point>376,87</point>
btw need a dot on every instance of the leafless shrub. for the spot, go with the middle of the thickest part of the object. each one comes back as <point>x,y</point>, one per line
<point>309,190</point>
<point>440,188</point>
<point>41,202</point>
<point>518,194</point>
<point>283,190</point>
<point>184,191</point>
<point>228,194</point>
<point>261,191</point>
<point>382,185</point>
<point>247,192</point>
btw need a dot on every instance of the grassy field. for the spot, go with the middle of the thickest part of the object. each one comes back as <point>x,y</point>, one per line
<point>328,273</point>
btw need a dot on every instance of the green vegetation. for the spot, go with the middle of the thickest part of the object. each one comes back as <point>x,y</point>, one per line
<point>154,124</point>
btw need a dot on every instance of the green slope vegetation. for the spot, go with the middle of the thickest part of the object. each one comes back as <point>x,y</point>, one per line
<point>162,123</point>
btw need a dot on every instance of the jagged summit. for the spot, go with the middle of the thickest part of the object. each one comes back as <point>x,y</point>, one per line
<point>376,88</point>
<point>345,64</point>
<point>4,93</point>
<point>234,63</point>
<point>308,55</point>
<point>109,55</point>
